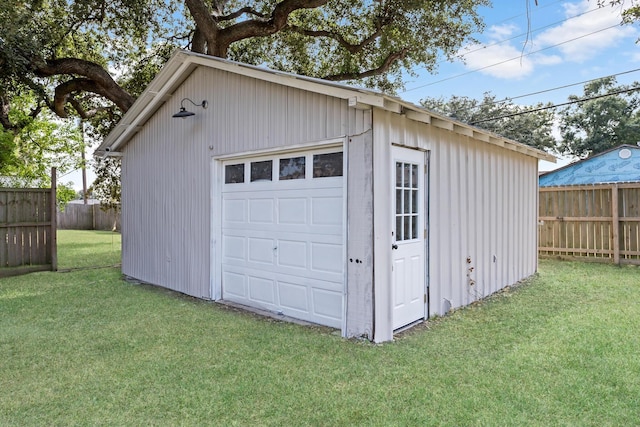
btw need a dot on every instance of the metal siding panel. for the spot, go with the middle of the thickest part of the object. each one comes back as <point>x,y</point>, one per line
<point>359,318</point>
<point>481,201</point>
<point>166,167</point>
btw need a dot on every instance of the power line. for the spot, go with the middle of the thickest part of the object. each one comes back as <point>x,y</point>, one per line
<point>511,59</point>
<point>511,98</point>
<point>519,35</point>
<point>548,107</point>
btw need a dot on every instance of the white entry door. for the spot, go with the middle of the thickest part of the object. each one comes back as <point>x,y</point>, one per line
<point>409,230</point>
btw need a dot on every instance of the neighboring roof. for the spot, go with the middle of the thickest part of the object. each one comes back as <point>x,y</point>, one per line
<point>620,164</point>
<point>183,63</point>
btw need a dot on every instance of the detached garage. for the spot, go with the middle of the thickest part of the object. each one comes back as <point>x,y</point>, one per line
<point>323,202</point>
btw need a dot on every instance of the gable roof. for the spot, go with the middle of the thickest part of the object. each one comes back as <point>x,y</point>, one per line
<point>183,63</point>
<point>619,164</point>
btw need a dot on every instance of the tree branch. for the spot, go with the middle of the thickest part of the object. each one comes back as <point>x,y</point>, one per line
<point>238,13</point>
<point>97,80</point>
<point>219,39</point>
<point>388,62</point>
<point>349,47</point>
<point>86,114</point>
<point>205,23</point>
<point>260,28</point>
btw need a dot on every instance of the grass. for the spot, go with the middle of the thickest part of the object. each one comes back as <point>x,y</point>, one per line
<point>86,348</point>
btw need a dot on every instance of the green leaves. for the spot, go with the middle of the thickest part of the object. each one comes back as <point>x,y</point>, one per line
<point>533,128</point>
<point>605,116</point>
<point>37,144</point>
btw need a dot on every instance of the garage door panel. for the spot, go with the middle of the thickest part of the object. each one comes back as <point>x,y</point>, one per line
<point>292,211</point>
<point>328,304</point>
<point>261,211</point>
<point>283,245</point>
<point>234,211</point>
<point>234,247</point>
<point>293,296</point>
<point>326,257</point>
<point>293,254</point>
<point>326,210</point>
<point>235,284</point>
<point>256,269</point>
<point>262,289</point>
<point>261,250</point>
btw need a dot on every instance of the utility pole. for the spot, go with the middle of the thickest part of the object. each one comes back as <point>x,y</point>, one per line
<point>84,166</point>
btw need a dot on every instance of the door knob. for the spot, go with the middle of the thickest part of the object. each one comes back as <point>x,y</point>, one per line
<point>394,246</point>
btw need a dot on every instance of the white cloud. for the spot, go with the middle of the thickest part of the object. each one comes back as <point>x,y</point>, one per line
<point>502,61</point>
<point>580,38</point>
<point>501,32</point>
<point>576,39</point>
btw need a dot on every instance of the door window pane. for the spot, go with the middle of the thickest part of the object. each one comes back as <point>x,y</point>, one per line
<point>407,175</point>
<point>414,201</point>
<point>414,227</point>
<point>407,228</point>
<point>234,174</point>
<point>327,165</point>
<point>407,201</point>
<point>292,168</point>
<point>261,171</point>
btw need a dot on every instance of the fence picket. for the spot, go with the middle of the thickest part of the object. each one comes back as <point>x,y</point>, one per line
<point>24,218</point>
<point>599,222</point>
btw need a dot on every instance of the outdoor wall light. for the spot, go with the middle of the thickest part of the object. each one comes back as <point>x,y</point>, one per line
<point>184,113</point>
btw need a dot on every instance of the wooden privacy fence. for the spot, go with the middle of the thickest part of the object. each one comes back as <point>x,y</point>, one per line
<point>591,222</point>
<point>28,229</point>
<point>88,217</point>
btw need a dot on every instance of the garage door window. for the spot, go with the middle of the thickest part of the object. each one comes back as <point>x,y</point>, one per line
<point>234,174</point>
<point>292,168</point>
<point>327,165</point>
<point>261,171</point>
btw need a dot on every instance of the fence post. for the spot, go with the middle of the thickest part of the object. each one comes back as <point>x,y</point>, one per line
<point>615,226</point>
<point>54,228</point>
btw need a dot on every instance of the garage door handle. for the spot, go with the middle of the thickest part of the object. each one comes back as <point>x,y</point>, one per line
<point>394,246</point>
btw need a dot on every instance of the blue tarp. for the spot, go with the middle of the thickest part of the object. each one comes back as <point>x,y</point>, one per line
<point>621,164</point>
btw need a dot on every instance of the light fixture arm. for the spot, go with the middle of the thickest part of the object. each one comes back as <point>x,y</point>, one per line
<point>204,104</point>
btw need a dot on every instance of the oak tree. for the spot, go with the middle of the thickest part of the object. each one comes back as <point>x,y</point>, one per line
<point>526,124</point>
<point>72,52</point>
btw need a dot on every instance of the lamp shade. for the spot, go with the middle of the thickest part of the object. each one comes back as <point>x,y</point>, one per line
<point>183,113</point>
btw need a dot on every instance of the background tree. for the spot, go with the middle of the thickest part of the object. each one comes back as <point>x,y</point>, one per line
<point>30,146</point>
<point>502,117</point>
<point>606,116</point>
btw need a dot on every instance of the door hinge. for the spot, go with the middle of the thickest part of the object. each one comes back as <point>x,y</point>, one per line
<point>425,298</point>
<point>425,234</point>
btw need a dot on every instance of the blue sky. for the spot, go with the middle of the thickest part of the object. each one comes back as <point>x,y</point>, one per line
<point>555,44</point>
<point>568,42</point>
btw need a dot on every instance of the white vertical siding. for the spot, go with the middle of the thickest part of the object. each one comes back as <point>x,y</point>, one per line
<point>359,308</point>
<point>482,207</point>
<point>166,200</point>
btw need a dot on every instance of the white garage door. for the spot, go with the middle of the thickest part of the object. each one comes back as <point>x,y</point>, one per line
<point>282,234</point>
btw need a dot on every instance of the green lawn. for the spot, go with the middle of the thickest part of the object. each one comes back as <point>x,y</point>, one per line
<point>84,347</point>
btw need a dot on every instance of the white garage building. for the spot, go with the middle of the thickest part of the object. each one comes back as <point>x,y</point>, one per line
<point>323,202</point>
